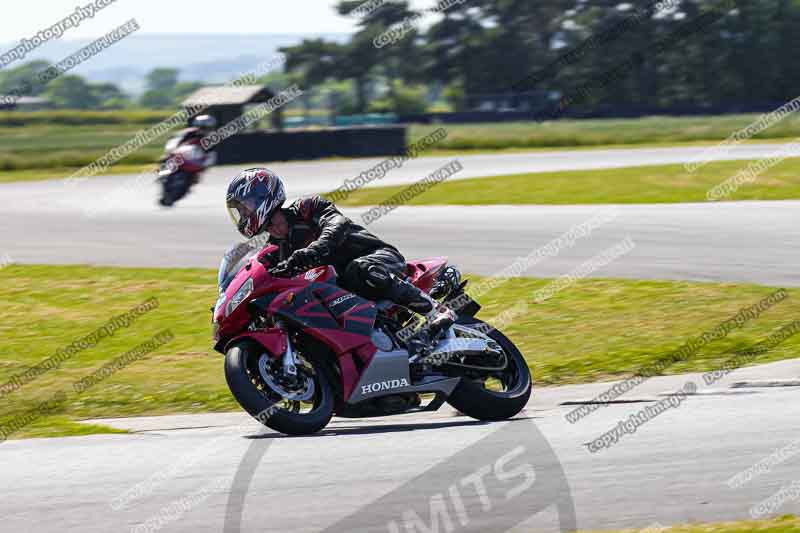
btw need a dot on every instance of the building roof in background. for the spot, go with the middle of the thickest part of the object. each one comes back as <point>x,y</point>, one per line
<point>226,95</point>
<point>25,100</point>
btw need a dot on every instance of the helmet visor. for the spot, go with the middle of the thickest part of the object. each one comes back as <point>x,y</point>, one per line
<point>241,213</point>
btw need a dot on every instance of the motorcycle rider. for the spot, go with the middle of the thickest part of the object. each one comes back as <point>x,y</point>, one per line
<point>186,147</point>
<point>312,232</point>
<point>200,126</point>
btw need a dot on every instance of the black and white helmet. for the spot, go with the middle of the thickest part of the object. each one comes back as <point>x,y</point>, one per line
<point>253,197</point>
<point>204,122</point>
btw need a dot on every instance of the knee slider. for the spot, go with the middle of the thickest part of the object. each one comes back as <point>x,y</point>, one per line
<point>377,277</point>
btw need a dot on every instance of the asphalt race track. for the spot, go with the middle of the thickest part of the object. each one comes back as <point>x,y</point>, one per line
<point>114,221</point>
<point>360,475</point>
<point>223,473</point>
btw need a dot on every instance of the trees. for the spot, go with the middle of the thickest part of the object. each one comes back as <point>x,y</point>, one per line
<point>108,96</point>
<point>23,80</point>
<point>71,92</point>
<point>521,53</point>
<point>161,88</point>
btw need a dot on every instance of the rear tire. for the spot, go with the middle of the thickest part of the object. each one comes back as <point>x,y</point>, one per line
<point>475,401</point>
<point>238,360</point>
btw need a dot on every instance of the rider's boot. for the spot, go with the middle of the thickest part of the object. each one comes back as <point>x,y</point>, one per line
<point>438,318</point>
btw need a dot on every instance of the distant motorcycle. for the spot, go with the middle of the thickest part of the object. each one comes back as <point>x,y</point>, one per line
<point>180,169</point>
<point>299,349</point>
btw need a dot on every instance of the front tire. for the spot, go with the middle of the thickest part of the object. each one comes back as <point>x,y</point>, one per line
<point>474,400</point>
<point>263,403</point>
<point>175,188</point>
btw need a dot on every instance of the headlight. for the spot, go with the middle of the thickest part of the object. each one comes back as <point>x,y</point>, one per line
<point>243,292</point>
<point>218,307</point>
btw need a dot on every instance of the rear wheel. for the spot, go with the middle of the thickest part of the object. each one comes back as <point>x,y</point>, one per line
<point>298,406</point>
<point>495,394</point>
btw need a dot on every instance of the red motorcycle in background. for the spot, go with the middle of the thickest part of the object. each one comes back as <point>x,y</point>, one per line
<point>299,350</point>
<point>184,161</point>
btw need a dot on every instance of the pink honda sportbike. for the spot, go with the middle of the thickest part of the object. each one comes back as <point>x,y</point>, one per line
<point>299,350</point>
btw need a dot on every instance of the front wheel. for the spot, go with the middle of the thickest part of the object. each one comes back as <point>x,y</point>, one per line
<point>300,406</point>
<point>495,394</point>
<point>175,187</point>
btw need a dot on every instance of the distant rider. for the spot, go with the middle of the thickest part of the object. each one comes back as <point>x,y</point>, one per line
<point>200,126</point>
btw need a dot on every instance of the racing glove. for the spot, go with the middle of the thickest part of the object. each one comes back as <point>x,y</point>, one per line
<point>305,259</point>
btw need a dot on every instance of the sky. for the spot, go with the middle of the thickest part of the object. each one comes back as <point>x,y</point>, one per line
<point>27,18</point>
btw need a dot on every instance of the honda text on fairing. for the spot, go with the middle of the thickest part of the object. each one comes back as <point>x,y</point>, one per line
<point>185,160</point>
<point>300,349</point>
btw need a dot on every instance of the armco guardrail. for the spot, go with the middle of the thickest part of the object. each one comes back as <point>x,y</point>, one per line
<point>312,144</point>
<point>553,113</point>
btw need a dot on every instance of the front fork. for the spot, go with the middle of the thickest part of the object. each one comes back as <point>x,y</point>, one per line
<point>289,359</point>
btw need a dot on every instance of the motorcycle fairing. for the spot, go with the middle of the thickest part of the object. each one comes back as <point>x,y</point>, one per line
<point>274,340</point>
<point>389,373</point>
<point>423,273</point>
<point>340,319</point>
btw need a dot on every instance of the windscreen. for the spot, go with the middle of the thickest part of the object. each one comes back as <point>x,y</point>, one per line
<point>233,261</point>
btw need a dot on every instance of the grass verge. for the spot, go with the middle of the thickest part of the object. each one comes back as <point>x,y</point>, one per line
<point>633,185</point>
<point>43,174</point>
<point>595,330</point>
<point>784,524</point>
<point>71,140</point>
<point>602,132</point>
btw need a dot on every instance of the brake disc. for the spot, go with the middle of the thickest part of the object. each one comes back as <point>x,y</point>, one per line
<point>303,393</point>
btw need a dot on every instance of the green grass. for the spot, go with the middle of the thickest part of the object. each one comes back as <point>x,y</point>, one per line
<point>61,173</point>
<point>650,184</point>
<point>54,146</point>
<point>602,132</point>
<point>596,330</point>
<point>67,140</point>
<point>784,524</point>
<point>73,117</point>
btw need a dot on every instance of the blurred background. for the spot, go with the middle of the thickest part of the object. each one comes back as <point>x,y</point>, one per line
<point>669,125</point>
<point>494,63</point>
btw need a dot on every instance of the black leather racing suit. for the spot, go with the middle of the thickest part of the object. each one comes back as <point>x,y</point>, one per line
<point>360,258</point>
